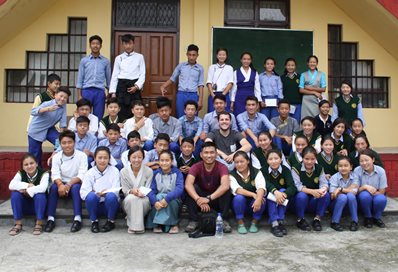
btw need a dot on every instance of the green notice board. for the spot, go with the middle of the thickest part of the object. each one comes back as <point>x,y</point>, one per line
<point>262,43</point>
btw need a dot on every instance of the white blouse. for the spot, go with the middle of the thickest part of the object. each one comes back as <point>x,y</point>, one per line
<point>97,181</point>
<point>221,75</point>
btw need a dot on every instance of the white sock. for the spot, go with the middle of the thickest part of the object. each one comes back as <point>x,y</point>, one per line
<point>275,224</point>
<point>51,218</point>
<point>78,218</point>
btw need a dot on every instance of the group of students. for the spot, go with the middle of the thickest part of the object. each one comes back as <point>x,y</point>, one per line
<point>150,166</point>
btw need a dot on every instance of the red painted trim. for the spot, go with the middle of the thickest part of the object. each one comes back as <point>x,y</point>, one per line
<point>2,2</point>
<point>391,6</point>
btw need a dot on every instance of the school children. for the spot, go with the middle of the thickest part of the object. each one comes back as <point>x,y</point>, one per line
<point>220,78</point>
<point>291,91</point>
<point>308,130</point>
<point>357,128</point>
<point>326,158</point>
<point>100,190</point>
<point>133,139</point>
<point>342,141</point>
<point>128,76</point>
<point>271,88</point>
<point>113,116</point>
<point>361,143</point>
<point>187,157</point>
<point>116,144</point>
<point>85,141</point>
<point>295,159</point>
<point>162,142</point>
<point>67,172</point>
<point>94,76</point>
<point>191,126</point>
<point>190,76</point>
<point>28,194</point>
<point>83,108</point>
<point>323,121</point>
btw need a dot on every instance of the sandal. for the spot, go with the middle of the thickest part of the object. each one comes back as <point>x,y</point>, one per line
<point>157,230</point>
<point>16,229</point>
<point>38,229</point>
<point>174,230</point>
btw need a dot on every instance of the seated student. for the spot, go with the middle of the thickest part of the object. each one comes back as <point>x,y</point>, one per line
<point>187,158</point>
<point>115,143</point>
<point>342,141</point>
<point>356,128</point>
<point>280,184</point>
<point>208,187</point>
<point>191,125</point>
<point>45,116</point>
<point>343,189</point>
<point>85,141</point>
<point>312,187</point>
<point>100,190</point>
<point>295,159</point>
<point>162,142</point>
<point>327,159</point>
<point>28,194</point>
<point>84,108</point>
<point>113,116</point>
<point>248,188</point>
<point>251,122</point>
<point>228,142</point>
<point>133,139</point>
<point>67,172</point>
<point>361,143</point>
<point>285,127</point>
<point>141,124</point>
<point>323,121</point>
<point>210,121</point>
<point>132,177</point>
<point>165,196</point>
<point>313,137</point>
<point>372,189</point>
<point>167,124</point>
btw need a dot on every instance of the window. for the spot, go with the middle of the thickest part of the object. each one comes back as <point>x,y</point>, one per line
<point>345,65</point>
<point>258,13</point>
<point>62,57</point>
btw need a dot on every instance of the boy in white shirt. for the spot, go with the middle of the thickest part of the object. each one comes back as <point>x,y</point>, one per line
<point>84,108</point>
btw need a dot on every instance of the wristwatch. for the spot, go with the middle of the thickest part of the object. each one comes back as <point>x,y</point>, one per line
<point>208,197</point>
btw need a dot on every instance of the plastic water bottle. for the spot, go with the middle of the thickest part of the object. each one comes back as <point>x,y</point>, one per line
<point>219,226</point>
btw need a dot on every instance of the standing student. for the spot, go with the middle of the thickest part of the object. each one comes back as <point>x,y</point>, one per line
<point>83,108</point>
<point>323,121</point>
<point>326,158</point>
<point>291,91</point>
<point>190,76</point>
<point>100,190</point>
<point>271,88</point>
<point>116,144</point>
<point>361,143</point>
<point>94,76</point>
<point>246,83</point>
<point>347,105</point>
<point>312,86</point>
<point>295,159</point>
<point>343,189</point>
<point>372,189</point>
<point>248,188</point>
<point>220,78</point>
<point>308,130</point>
<point>45,116</point>
<point>28,194</point>
<point>342,141</point>
<point>113,116</point>
<point>191,126</point>
<point>128,76</point>
<point>312,187</point>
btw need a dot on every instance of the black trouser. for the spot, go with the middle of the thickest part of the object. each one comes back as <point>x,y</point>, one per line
<point>221,204</point>
<point>125,98</point>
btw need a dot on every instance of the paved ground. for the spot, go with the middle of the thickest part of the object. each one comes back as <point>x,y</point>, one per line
<point>366,250</point>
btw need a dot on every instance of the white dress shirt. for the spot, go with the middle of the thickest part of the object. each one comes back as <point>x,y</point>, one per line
<point>93,129</point>
<point>146,131</point>
<point>67,167</point>
<point>221,75</point>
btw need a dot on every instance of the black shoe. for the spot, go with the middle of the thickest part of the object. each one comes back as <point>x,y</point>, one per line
<point>368,223</point>
<point>316,225</point>
<point>283,229</point>
<point>379,223</point>
<point>303,225</point>
<point>336,226</point>
<point>50,225</point>
<point>76,226</point>
<point>354,226</point>
<point>108,226</point>
<point>95,227</point>
<point>276,231</point>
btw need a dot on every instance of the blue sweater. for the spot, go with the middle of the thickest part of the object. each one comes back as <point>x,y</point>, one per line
<point>171,184</point>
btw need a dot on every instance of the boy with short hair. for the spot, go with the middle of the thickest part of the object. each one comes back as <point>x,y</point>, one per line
<point>285,127</point>
<point>133,139</point>
<point>187,157</point>
<point>162,142</point>
<point>45,117</point>
<point>85,142</point>
<point>190,76</point>
<point>323,120</point>
<point>128,76</point>
<point>67,172</point>
<point>191,126</point>
<point>113,116</point>
<point>83,108</point>
<point>116,144</point>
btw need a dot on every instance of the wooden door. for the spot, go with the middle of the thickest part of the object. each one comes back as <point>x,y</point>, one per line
<point>160,54</point>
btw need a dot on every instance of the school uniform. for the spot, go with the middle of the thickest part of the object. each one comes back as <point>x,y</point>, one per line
<point>93,77</point>
<point>172,127</point>
<point>192,129</point>
<point>259,161</point>
<point>210,122</point>
<point>344,142</point>
<point>323,126</point>
<point>219,76</point>
<point>89,141</point>
<point>372,205</point>
<point>281,180</point>
<point>169,187</point>
<point>329,163</point>
<point>314,141</point>
<point>291,92</point>
<point>190,78</point>
<point>245,84</point>
<point>348,110</point>
<point>257,124</point>
<point>125,158</point>
<point>36,202</point>
<point>104,124</point>
<point>295,159</point>
<point>152,156</point>
<point>181,161</point>
<point>344,200</point>
<point>39,99</point>
<point>354,156</point>
<point>314,180</point>
<point>310,102</point>
<point>95,182</point>
<point>285,127</point>
<point>146,132</point>
<point>93,129</point>
<point>271,88</point>
<point>116,149</point>
<point>128,71</point>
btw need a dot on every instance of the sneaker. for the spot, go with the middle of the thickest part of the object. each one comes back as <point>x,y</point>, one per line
<point>336,226</point>
<point>368,223</point>
<point>192,226</point>
<point>227,227</point>
<point>253,228</point>
<point>303,225</point>
<point>379,223</point>
<point>316,225</point>
<point>283,228</point>
<point>276,231</point>
<point>242,229</point>
<point>108,226</point>
<point>354,226</point>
